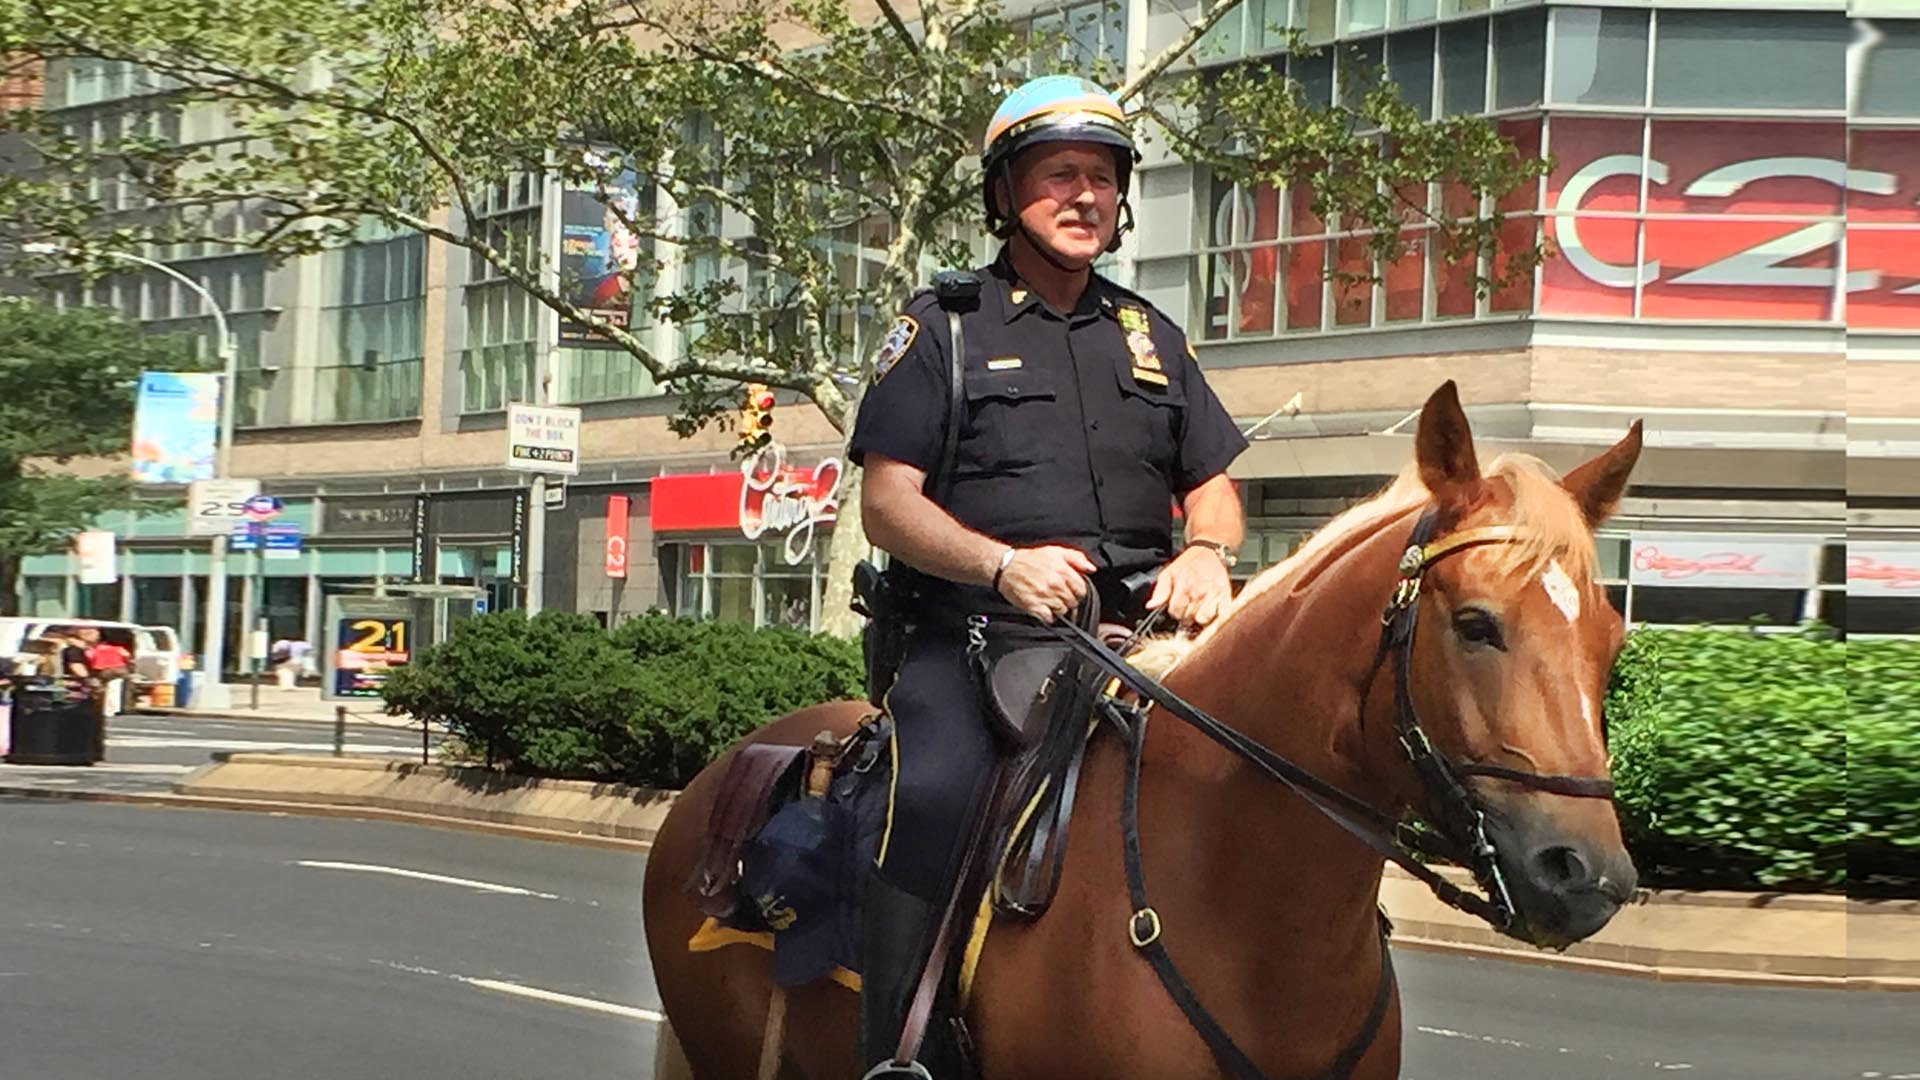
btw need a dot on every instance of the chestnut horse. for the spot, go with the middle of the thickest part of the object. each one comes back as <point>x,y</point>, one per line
<point>1267,907</point>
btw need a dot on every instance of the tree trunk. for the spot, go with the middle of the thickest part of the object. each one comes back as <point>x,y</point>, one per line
<point>9,584</point>
<point>846,547</point>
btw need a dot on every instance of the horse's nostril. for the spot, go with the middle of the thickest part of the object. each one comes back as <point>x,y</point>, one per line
<point>1561,867</point>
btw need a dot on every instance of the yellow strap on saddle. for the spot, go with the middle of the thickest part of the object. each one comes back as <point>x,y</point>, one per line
<point>712,935</point>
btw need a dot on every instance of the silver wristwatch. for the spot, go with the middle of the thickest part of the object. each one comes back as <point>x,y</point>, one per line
<point>1226,553</point>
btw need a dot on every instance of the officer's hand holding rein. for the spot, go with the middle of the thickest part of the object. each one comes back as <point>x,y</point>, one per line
<point>1045,582</point>
<point>1194,587</point>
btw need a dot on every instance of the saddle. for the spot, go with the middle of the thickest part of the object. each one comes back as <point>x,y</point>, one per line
<point>789,812</point>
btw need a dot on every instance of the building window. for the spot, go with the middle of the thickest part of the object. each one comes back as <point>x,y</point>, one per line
<point>1890,71</point>
<point>1410,68</point>
<point>1599,56</point>
<point>738,581</point>
<point>371,334</point>
<point>1519,59</point>
<point>1751,60</point>
<point>496,367</point>
<point>1463,68</point>
<point>1090,37</point>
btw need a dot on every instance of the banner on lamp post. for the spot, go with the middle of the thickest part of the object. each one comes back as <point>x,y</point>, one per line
<point>176,427</point>
<point>617,536</point>
<point>94,549</point>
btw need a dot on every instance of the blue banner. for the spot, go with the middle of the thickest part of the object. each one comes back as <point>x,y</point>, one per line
<point>176,427</point>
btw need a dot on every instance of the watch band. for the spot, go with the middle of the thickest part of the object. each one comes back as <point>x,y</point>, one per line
<point>1227,555</point>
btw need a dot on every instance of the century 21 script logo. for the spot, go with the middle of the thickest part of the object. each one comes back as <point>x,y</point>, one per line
<point>1762,264</point>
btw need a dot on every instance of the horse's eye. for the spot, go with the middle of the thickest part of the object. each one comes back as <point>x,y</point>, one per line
<point>1478,627</point>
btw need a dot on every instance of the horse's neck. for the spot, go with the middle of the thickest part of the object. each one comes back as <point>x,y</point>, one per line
<point>1290,677</point>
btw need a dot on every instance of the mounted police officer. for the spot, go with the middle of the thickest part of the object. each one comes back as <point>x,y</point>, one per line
<point>1082,417</point>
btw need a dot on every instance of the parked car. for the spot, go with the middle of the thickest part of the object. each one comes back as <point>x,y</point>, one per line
<point>155,649</point>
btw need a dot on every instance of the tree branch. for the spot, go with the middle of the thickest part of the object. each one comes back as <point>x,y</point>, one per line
<point>1215,10</point>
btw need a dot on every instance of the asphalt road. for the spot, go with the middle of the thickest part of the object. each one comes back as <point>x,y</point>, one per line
<point>201,945</point>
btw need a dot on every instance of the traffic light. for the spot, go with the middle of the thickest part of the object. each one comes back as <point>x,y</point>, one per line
<point>756,417</point>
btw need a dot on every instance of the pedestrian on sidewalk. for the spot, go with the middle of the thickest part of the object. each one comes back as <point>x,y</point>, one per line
<point>111,664</point>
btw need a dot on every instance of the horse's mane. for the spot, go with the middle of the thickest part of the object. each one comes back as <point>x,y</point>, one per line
<point>1551,523</point>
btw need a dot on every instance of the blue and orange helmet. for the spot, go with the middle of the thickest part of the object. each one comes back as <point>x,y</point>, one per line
<point>1053,108</point>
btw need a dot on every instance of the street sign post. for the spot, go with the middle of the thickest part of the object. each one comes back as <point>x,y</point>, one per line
<point>543,439</point>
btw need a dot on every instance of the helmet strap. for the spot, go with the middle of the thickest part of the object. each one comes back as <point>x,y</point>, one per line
<point>1047,253</point>
<point>1126,224</point>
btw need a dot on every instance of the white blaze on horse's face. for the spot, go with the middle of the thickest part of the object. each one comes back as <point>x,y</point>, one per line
<point>1561,590</point>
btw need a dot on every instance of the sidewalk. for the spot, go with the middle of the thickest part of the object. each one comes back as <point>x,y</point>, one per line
<point>1777,939</point>
<point>301,703</point>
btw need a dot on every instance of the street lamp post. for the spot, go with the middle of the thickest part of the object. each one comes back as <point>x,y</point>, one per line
<point>213,692</point>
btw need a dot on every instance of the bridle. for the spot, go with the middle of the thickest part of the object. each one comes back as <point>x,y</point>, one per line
<point>1460,834</point>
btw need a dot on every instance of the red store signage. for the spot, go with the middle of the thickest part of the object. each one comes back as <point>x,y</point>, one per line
<point>1771,207</point>
<point>766,496</point>
<point>1883,569</point>
<point>1723,562</point>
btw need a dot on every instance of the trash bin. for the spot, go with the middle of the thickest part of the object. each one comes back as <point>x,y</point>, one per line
<point>54,724</point>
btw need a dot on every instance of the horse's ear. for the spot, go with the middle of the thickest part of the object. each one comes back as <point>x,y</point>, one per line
<point>1598,484</point>
<point>1444,446</point>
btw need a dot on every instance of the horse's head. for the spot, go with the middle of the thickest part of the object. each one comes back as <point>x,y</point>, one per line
<point>1510,664</point>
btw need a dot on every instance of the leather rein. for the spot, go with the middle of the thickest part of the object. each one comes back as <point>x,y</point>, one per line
<point>1459,835</point>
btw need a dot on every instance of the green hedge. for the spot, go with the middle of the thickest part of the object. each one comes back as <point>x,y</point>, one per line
<point>1737,759</point>
<point>650,703</point>
<point>1883,767</point>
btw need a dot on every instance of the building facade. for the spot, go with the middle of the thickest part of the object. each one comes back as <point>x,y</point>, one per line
<point>1734,258</point>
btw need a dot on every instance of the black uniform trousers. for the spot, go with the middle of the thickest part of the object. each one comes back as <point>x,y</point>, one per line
<point>944,755</point>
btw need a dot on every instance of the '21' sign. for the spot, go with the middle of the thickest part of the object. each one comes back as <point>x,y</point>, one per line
<point>1767,264</point>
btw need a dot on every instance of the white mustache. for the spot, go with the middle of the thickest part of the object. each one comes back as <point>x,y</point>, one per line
<point>1088,217</point>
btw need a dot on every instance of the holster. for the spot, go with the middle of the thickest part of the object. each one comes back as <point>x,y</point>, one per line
<point>883,598</point>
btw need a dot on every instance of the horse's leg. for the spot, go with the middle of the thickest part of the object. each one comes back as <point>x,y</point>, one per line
<point>669,1061</point>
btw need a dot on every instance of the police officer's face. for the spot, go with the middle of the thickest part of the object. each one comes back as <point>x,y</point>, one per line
<point>1068,196</point>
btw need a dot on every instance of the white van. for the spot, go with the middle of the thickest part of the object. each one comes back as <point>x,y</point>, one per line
<point>155,649</point>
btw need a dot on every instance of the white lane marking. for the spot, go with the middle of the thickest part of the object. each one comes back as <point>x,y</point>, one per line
<point>1560,590</point>
<point>421,875</point>
<point>1449,1033</point>
<point>1496,1040</point>
<point>552,997</point>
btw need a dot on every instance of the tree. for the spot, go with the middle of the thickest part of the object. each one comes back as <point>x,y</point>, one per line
<point>67,384</point>
<point>765,127</point>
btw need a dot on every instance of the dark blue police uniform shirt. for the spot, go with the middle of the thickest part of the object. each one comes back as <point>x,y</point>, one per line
<point>1080,428</point>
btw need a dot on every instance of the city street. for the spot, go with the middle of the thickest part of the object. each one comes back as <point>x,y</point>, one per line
<point>193,945</point>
